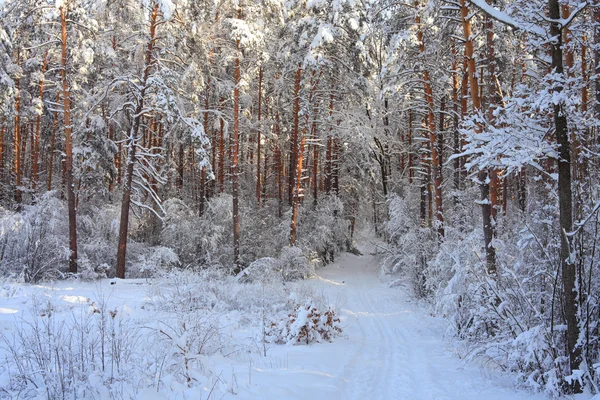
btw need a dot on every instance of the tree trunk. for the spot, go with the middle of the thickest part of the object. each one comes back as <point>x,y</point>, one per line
<point>2,135</point>
<point>52,144</point>
<point>294,139</point>
<point>258,137</point>
<point>235,155</point>
<point>221,173</point>
<point>68,149</point>
<point>36,138</point>
<point>565,198</point>
<point>455,117</point>
<point>17,138</point>
<point>131,154</point>
<point>316,146</point>
<point>409,150</point>
<point>436,167</point>
<point>493,100</point>
<point>483,176</point>
<point>297,193</point>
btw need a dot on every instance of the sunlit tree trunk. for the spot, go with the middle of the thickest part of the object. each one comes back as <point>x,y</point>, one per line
<point>295,136</point>
<point>235,159</point>
<point>52,144</point>
<point>258,137</point>
<point>68,148</point>
<point>455,117</point>
<point>483,176</point>
<point>494,99</point>
<point>17,138</point>
<point>436,168</point>
<point>316,151</point>
<point>221,174</point>
<point>297,193</point>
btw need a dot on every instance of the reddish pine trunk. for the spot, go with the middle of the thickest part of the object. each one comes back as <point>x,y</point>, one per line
<point>336,165</point>
<point>436,168</point>
<point>295,135</point>
<point>234,166</point>
<point>315,170</point>
<point>494,98</point>
<point>486,207</point>
<point>279,177</point>
<point>52,144</point>
<point>68,148</point>
<point>455,103</point>
<point>297,194</point>
<point>221,174</point>
<point>258,137</point>
<point>17,139</point>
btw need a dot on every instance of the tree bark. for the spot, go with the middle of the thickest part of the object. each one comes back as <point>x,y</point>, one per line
<point>436,167</point>
<point>295,135</point>
<point>483,176</point>
<point>17,138</point>
<point>52,144</point>
<point>221,174</point>
<point>38,122</point>
<point>235,159</point>
<point>132,142</point>
<point>258,137</point>
<point>565,198</point>
<point>297,193</point>
<point>68,148</point>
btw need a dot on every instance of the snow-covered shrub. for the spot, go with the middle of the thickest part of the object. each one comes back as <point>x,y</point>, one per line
<point>183,231</point>
<point>411,243</point>
<point>294,264</point>
<point>99,352</point>
<point>513,319</point>
<point>98,232</point>
<point>265,269</point>
<point>306,324</point>
<point>323,229</point>
<point>33,242</point>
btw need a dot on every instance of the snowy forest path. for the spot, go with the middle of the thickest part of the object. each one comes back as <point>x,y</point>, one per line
<point>398,351</point>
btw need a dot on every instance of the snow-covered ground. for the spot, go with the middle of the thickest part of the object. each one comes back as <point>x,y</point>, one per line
<point>391,348</point>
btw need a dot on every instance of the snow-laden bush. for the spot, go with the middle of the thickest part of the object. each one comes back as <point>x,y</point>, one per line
<point>411,243</point>
<point>294,264</point>
<point>185,233</point>
<point>324,229</point>
<point>306,324</point>
<point>33,242</point>
<point>512,320</point>
<point>98,233</point>
<point>265,269</point>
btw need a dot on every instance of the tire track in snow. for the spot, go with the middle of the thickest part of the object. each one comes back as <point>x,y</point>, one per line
<point>399,352</point>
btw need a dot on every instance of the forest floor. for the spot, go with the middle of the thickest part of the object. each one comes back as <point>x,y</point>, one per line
<point>391,347</point>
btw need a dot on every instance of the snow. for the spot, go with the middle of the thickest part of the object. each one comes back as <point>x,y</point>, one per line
<point>391,347</point>
<point>507,19</point>
<point>323,36</point>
